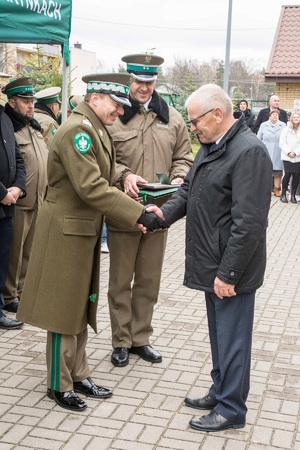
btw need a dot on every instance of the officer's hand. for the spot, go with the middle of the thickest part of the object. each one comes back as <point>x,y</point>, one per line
<point>177,180</point>
<point>152,222</point>
<point>130,184</point>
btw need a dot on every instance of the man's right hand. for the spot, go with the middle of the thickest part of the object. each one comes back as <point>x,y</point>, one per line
<point>130,184</point>
<point>152,221</point>
<point>156,210</point>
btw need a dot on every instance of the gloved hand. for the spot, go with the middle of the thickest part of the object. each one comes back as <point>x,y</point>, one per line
<point>152,222</point>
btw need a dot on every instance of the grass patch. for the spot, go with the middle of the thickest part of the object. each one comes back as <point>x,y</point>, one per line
<point>195,147</point>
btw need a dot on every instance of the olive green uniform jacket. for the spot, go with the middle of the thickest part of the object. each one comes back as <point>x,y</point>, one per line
<point>48,124</point>
<point>35,154</point>
<point>62,284</point>
<point>145,145</point>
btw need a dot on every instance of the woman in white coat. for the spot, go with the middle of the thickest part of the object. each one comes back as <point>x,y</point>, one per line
<point>290,154</point>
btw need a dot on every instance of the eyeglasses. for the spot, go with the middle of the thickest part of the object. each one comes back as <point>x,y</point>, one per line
<point>195,121</point>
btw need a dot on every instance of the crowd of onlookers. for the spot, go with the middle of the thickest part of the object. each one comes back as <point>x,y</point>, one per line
<point>281,135</point>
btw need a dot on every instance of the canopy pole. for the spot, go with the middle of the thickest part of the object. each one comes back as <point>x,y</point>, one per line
<point>65,82</point>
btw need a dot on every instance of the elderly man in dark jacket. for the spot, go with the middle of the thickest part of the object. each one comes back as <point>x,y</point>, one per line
<point>12,187</point>
<point>226,199</point>
<point>264,114</point>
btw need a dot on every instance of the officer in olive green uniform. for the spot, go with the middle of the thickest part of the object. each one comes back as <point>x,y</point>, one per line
<point>62,285</point>
<point>150,138</point>
<point>46,111</point>
<point>20,109</point>
<point>73,101</point>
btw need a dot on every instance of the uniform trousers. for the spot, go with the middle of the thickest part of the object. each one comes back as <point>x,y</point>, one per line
<point>230,323</point>
<point>22,237</point>
<point>136,261</point>
<point>5,244</point>
<point>66,360</point>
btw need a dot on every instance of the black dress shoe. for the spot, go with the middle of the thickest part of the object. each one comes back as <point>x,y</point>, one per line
<point>214,422</point>
<point>9,324</point>
<point>120,356</point>
<point>90,389</point>
<point>147,353</point>
<point>201,403</point>
<point>68,400</point>
<point>12,306</point>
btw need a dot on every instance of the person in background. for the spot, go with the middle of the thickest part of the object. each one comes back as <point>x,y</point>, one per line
<point>12,187</point>
<point>20,109</point>
<point>150,138</point>
<point>264,114</point>
<point>269,133</point>
<point>290,154</point>
<point>62,284</point>
<point>104,246</point>
<point>46,110</point>
<point>73,101</point>
<point>226,200</point>
<point>249,116</point>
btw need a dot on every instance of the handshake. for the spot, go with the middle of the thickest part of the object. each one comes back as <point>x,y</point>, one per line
<point>152,221</point>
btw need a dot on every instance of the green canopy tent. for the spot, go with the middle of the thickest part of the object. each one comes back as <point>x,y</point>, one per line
<point>39,22</point>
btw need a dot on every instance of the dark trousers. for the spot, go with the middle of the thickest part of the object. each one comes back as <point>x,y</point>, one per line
<point>286,180</point>
<point>230,323</point>
<point>5,241</point>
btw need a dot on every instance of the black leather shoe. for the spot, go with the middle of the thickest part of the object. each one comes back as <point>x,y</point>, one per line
<point>9,324</point>
<point>201,403</point>
<point>68,400</point>
<point>12,306</point>
<point>147,353</point>
<point>214,422</point>
<point>120,356</point>
<point>88,388</point>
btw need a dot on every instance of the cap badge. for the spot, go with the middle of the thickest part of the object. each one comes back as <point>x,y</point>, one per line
<point>147,59</point>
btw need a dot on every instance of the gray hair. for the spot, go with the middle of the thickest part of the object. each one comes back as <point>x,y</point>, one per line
<point>211,96</point>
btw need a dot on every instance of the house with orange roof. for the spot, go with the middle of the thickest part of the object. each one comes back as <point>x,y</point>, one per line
<point>283,67</point>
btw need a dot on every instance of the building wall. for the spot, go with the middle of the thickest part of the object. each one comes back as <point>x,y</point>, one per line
<point>82,62</point>
<point>288,92</point>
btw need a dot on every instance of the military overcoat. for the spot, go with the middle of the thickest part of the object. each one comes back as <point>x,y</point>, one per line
<point>62,283</point>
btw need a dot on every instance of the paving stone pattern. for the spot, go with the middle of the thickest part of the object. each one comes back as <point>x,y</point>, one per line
<point>146,411</point>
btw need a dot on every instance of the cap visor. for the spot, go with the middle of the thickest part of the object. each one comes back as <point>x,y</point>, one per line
<point>145,78</point>
<point>122,100</point>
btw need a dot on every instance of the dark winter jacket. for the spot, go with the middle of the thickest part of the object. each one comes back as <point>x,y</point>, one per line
<point>226,198</point>
<point>264,115</point>
<point>12,167</point>
<point>249,117</point>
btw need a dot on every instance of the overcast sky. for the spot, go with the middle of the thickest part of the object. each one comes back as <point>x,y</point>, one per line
<point>191,29</point>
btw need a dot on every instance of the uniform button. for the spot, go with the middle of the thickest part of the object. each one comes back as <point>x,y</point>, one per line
<point>231,273</point>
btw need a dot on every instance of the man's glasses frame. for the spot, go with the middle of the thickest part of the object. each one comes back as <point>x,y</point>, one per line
<point>195,121</point>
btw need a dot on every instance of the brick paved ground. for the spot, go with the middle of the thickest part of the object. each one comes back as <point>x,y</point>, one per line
<point>147,411</point>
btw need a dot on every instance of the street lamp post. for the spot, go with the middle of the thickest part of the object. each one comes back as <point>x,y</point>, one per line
<point>227,56</point>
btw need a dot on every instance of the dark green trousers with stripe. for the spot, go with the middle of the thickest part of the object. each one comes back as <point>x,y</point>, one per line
<point>66,360</point>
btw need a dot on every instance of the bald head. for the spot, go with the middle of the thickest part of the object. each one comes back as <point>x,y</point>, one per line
<point>274,102</point>
<point>211,113</point>
<point>211,96</point>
